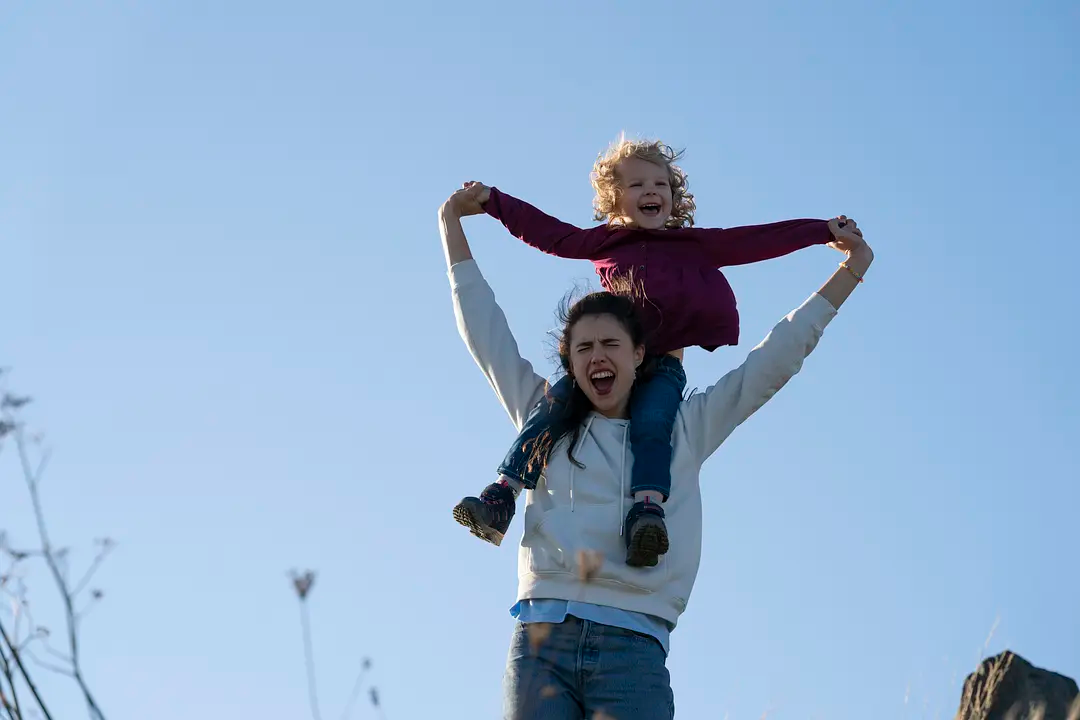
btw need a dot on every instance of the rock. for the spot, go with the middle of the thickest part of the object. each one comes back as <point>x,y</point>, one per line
<point>1008,687</point>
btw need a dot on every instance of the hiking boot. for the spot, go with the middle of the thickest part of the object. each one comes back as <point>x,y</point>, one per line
<point>488,516</point>
<point>646,534</point>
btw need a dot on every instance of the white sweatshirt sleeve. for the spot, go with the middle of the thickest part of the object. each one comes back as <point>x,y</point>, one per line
<point>484,329</point>
<point>713,415</point>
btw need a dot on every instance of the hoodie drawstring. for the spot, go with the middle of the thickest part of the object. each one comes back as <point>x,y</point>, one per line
<point>622,480</point>
<point>622,471</point>
<point>573,467</point>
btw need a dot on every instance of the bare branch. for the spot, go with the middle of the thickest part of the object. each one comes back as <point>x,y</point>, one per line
<point>20,609</point>
<point>48,666</point>
<point>374,696</point>
<point>41,633</point>
<point>309,659</point>
<point>12,707</point>
<point>22,671</point>
<point>106,548</point>
<point>6,428</point>
<point>12,402</point>
<point>55,653</point>
<point>33,478</point>
<point>41,638</point>
<point>95,599</point>
<point>302,583</point>
<point>358,687</point>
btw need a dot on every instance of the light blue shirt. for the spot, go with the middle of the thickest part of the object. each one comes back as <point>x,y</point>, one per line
<point>555,611</point>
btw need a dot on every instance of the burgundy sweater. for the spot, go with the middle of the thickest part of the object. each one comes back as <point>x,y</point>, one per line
<point>687,300</point>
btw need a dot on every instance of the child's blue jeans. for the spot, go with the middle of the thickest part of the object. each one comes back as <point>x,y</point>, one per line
<point>654,405</point>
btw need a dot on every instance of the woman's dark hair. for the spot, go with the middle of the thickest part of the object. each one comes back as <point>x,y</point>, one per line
<point>567,417</point>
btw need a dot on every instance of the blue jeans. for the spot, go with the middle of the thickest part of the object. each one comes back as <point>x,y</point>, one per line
<point>582,668</point>
<point>654,405</point>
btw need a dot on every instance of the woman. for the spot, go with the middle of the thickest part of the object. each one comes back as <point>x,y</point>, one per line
<point>592,635</point>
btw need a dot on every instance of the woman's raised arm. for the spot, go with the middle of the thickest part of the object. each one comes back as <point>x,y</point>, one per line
<point>714,414</point>
<point>466,201</point>
<point>480,320</point>
<point>848,240</point>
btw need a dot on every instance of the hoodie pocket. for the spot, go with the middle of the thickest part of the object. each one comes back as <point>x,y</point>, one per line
<point>558,538</point>
<point>546,552</point>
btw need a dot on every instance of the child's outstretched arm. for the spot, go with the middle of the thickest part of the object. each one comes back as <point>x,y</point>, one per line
<point>754,243</point>
<point>778,358</point>
<point>543,232</point>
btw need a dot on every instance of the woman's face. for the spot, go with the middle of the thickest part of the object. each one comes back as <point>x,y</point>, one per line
<point>603,361</point>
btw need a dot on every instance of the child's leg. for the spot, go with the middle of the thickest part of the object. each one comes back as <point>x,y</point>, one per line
<point>653,409</point>
<point>488,516</point>
<point>515,465</point>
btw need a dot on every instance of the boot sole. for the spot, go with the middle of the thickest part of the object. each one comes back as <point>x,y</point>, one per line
<point>463,513</point>
<point>646,546</point>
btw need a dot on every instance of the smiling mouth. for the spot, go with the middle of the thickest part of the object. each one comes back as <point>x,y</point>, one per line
<point>650,209</point>
<point>602,381</point>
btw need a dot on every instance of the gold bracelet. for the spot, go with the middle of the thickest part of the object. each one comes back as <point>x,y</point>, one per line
<point>856,273</point>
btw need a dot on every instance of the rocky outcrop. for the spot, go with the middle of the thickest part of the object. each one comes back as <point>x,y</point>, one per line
<point>1008,687</point>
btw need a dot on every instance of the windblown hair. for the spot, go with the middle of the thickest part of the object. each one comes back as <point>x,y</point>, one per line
<point>567,417</point>
<point>605,180</point>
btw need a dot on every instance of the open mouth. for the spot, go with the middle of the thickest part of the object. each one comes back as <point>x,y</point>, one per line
<point>602,381</point>
<point>650,209</point>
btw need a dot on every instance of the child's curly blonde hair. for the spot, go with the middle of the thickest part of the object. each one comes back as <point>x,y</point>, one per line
<point>605,180</point>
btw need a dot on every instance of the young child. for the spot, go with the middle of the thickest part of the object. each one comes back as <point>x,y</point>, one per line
<point>649,239</point>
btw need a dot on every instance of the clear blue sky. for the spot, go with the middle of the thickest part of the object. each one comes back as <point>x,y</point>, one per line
<point>224,286</point>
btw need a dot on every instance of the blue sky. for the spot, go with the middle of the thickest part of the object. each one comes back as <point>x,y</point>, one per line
<point>225,289</point>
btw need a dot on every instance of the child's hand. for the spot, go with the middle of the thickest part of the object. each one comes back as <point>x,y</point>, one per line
<point>483,192</point>
<point>847,237</point>
<point>469,200</point>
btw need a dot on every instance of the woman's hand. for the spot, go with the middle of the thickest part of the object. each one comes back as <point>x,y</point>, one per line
<point>848,239</point>
<point>469,200</point>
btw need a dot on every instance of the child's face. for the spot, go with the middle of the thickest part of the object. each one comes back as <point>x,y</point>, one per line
<point>646,193</point>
